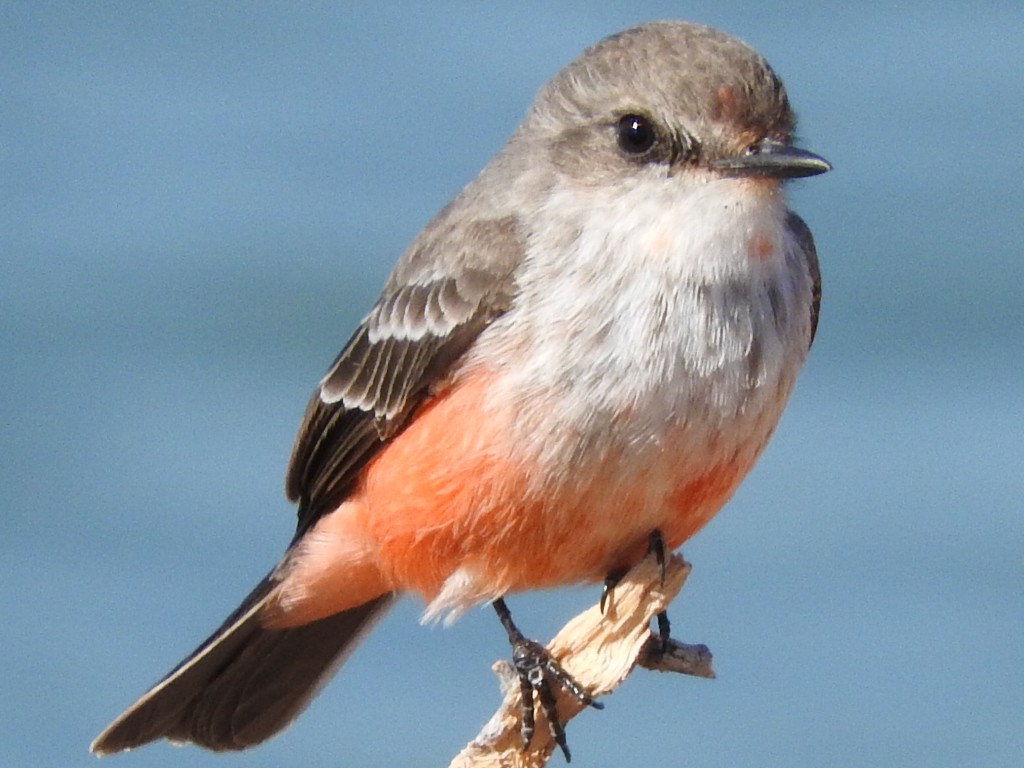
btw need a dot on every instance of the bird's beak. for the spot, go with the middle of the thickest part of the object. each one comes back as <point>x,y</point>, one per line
<point>774,160</point>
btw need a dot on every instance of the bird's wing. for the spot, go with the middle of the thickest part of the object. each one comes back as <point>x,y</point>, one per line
<point>804,238</point>
<point>450,285</point>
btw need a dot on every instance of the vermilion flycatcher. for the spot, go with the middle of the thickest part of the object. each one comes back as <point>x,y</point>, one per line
<point>588,347</point>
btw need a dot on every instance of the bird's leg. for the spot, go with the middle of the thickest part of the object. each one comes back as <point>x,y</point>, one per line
<point>656,544</point>
<point>536,669</point>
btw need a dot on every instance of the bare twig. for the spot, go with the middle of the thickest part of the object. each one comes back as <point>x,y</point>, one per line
<point>599,650</point>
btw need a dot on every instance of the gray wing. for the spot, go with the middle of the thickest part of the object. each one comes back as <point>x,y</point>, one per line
<point>806,241</point>
<point>246,682</point>
<point>450,285</point>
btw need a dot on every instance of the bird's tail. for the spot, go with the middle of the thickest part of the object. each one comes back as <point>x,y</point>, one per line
<point>245,682</point>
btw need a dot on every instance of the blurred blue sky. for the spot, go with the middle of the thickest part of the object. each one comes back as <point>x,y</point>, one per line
<point>199,200</point>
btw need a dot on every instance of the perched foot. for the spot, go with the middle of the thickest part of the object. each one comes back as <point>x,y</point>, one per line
<point>656,545</point>
<point>536,670</point>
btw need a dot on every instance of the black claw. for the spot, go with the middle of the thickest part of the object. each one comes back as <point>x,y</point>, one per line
<point>536,670</point>
<point>555,728</point>
<point>608,589</point>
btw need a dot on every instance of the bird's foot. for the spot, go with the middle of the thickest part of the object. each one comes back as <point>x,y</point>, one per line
<point>537,672</point>
<point>656,547</point>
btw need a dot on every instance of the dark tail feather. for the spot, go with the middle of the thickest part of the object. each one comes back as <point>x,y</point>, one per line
<point>245,682</point>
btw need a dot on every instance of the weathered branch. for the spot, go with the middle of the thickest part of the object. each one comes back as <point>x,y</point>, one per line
<point>599,650</point>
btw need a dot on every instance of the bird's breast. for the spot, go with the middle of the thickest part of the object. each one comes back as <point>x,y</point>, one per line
<point>655,324</point>
<point>654,341</point>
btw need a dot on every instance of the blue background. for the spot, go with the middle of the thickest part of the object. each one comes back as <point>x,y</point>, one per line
<point>198,201</point>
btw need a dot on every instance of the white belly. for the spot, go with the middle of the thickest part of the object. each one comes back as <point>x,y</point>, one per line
<point>651,332</point>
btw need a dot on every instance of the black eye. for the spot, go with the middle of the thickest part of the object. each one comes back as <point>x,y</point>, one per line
<point>636,134</point>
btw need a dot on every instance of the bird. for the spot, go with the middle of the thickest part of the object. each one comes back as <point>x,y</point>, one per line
<point>577,360</point>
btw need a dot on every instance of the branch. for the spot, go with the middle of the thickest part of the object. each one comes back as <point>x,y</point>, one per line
<point>599,650</point>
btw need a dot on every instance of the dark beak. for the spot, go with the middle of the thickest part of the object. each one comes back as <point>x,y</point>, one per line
<point>774,160</point>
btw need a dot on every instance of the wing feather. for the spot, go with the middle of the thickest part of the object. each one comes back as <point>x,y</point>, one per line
<point>806,241</point>
<point>424,321</point>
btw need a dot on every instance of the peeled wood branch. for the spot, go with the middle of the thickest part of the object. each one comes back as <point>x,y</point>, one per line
<point>599,650</point>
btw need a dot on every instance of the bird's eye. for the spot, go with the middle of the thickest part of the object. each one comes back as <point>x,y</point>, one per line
<point>636,134</point>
